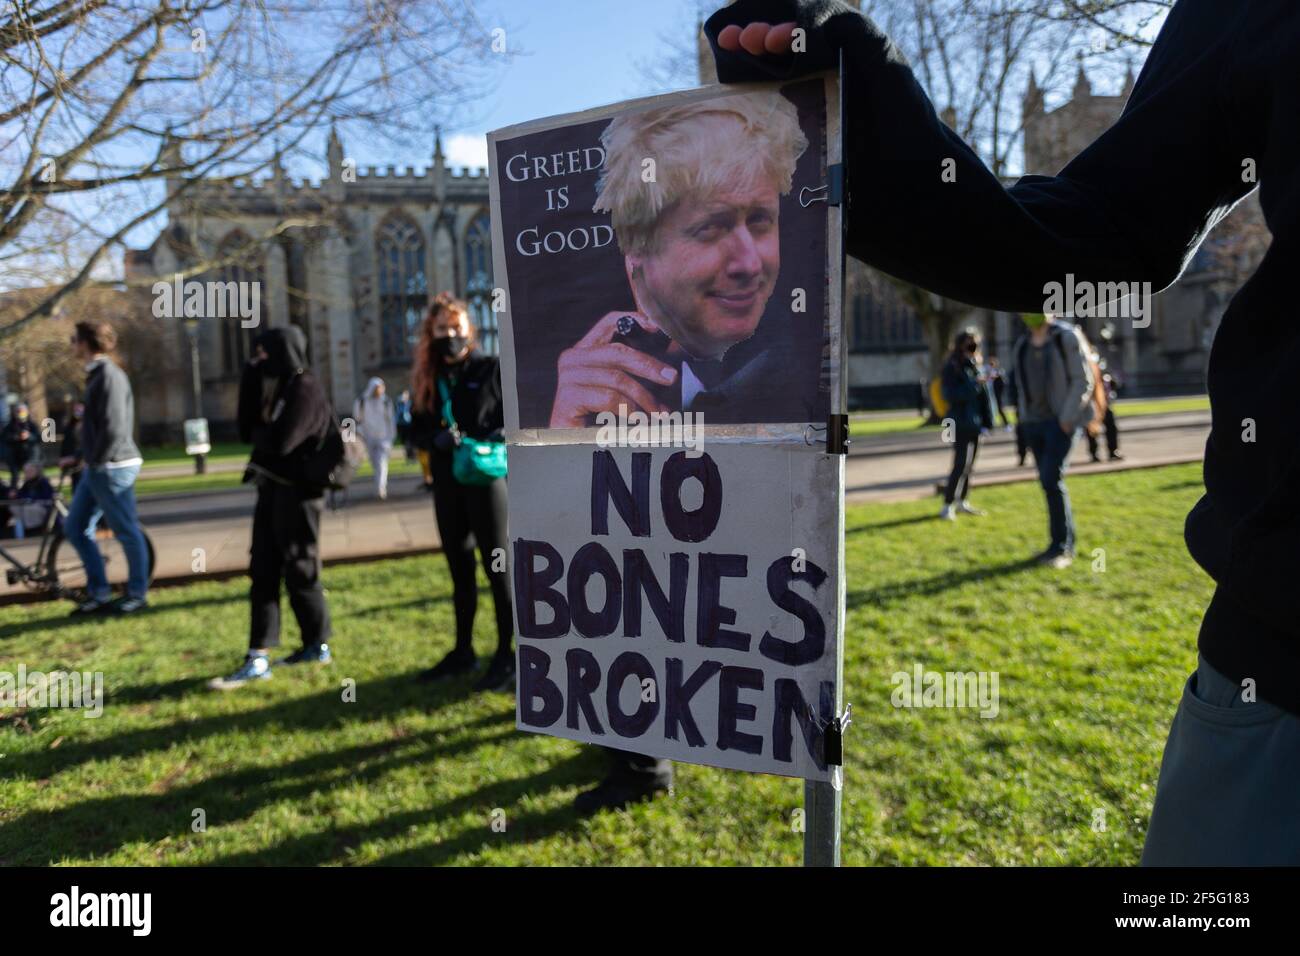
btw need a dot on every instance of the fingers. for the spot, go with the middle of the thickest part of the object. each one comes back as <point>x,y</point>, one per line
<point>624,388</point>
<point>617,357</point>
<point>753,38</point>
<point>779,39</point>
<point>757,39</point>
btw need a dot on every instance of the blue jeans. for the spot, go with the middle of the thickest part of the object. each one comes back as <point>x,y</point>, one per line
<point>1051,447</point>
<point>108,493</point>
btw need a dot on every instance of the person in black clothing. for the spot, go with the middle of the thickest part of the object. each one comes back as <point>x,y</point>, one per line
<point>450,375</point>
<point>998,382</point>
<point>70,445</point>
<point>22,442</point>
<point>1213,112</point>
<point>966,392</point>
<point>1108,423</point>
<point>284,414</point>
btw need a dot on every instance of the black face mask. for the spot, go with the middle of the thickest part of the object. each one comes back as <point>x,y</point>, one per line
<point>451,346</point>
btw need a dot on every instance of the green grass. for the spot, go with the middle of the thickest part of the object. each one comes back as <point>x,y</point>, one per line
<point>861,425</point>
<point>1091,665</point>
<point>219,481</point>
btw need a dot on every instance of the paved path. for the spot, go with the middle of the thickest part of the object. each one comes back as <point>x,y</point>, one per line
<point>891,467</point>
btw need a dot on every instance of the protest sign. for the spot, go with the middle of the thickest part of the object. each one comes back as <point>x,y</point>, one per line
<point>671,372</point>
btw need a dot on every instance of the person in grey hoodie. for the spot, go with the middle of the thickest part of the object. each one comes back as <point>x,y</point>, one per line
<point>1051,384</point>
<point>112,462</point>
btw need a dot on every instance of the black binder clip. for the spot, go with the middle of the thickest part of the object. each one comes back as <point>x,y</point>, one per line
<point>832,194</point>
<point>833,737</point>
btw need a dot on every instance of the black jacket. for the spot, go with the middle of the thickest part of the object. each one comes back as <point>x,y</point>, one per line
<point>1221,86</point>
<point>283,410</point>
<point>17,449</point>
<point>475,403</point>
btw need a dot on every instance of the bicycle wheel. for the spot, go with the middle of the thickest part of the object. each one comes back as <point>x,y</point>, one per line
<point>64,566</point>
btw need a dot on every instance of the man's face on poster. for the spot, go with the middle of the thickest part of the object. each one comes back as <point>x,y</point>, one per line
<point>711,267</point>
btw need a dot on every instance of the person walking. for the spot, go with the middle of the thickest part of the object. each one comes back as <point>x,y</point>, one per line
<point>1052,384</point>
<point>456,396</point>
<point>112,463</point>
<point>998,382</point>
<point>285,415</point>
<point>22,442</point>
<point>1106,395</point>
<point>377,426</point>
<point>402,412</point>
<point>1200,131</point>
<point>965,389</point>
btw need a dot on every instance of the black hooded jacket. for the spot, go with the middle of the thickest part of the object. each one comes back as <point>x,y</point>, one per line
<point>283,411</point>
<point>1219,96</point>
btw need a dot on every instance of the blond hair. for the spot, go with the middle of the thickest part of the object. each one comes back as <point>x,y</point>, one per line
<point>698,148</point>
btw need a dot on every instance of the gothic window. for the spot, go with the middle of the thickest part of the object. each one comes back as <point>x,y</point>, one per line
<point>478,282</point>
<point>403,286</point>
<point>241,262</point>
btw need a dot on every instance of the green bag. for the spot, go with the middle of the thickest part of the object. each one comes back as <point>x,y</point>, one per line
<point>473,462</point>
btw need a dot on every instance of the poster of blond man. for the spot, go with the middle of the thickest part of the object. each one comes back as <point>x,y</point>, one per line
<point>671,254</point>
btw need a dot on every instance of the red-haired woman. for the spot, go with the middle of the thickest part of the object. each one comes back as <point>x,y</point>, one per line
<point>448,370</point>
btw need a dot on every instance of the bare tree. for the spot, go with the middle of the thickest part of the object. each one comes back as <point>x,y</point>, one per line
<point>1113,23</point>
<point>112,109</point>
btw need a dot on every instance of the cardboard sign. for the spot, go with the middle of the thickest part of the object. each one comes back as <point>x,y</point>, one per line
<point>678,606</point>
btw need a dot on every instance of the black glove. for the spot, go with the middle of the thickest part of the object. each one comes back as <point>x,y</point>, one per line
<point>827,24</point>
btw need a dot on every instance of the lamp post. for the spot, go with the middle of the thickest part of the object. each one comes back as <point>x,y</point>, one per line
<point>196,382</point>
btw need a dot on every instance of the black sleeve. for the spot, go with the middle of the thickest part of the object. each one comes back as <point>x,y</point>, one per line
<point>305,416</point>
<point>96,415</point>
<point>250,402</point>
<point>1133,206</point>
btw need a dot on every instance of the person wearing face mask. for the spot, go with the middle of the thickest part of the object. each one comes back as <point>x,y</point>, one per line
<point>965,389</point>
<point>284,414</point>
<point>456,395</point>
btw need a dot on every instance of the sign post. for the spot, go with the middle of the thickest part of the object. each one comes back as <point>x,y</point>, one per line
<point>672,374</point>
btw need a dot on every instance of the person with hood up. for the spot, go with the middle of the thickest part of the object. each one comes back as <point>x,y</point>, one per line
<point>284,415</point>
<point>377,426</point>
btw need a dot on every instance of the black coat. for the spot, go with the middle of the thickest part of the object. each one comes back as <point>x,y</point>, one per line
<point>283,410</point>
<point>475,403</point>
<point>1220,87</point>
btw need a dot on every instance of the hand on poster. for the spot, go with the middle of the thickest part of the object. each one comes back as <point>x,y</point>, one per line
<point>757,38</point>
<point>600,373</point>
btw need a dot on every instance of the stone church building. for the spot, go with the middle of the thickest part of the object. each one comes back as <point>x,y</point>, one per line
<point>352,260</point>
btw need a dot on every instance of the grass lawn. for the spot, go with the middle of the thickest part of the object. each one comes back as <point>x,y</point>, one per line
<point>861,425</point>
<point>397,465</point>
<point>1091,666</point>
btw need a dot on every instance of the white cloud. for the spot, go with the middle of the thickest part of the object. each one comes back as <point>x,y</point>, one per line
<point>466,149</point>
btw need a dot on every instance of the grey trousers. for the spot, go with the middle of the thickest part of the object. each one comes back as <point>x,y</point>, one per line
<point>1229,789</point>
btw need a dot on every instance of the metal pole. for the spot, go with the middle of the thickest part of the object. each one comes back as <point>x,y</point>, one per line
<point>192,328</point>
<point>822,800</point>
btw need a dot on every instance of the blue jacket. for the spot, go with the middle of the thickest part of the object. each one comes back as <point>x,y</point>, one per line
<point>969,403</point>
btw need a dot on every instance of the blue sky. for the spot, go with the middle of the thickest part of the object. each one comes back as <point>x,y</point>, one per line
<point>576,54</point>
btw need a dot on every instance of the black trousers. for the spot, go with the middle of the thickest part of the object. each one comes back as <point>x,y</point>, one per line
<point>286,546</point>
<point>469,515</point>
<point>1112,436</point>
<point>964,449</point>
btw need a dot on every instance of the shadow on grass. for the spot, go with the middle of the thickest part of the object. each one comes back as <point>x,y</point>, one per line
<point>330,846</point>
<point>926,587</point>
<point>60,618</point>
<point>320,712</point>
<point>897,523</point>
<point>94,828</point>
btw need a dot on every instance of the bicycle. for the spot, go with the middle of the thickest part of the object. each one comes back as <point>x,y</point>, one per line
<point>57,569</point>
